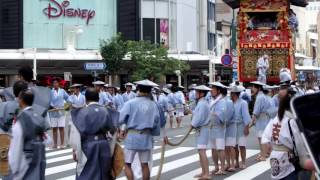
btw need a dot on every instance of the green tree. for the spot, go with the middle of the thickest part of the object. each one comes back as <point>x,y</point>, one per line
<point>152,62</point>
<point>113,51</point>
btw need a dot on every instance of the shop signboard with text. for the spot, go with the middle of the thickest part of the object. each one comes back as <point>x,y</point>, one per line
<point>65,9</point>
<point>47,22</point>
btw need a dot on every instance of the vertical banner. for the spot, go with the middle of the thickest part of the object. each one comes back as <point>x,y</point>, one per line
<point>164,32</point>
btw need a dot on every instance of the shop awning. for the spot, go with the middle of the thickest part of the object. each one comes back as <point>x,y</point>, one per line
<point>234,4</point>
<point>300,55</point>
<point>194,57</point>
<point>307,68</point>
<point>29,54</point>
<point>186,57</point>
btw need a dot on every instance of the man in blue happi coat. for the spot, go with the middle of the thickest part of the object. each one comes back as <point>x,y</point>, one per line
<point>104,99</point>
<point>242,120</point>
<point>218,129</point>
<point>140,121</point>
<point>128,95</point>
<point>230,132</point>
<point>57,115</point>
<point>201,122</point>
<point>260,117</point>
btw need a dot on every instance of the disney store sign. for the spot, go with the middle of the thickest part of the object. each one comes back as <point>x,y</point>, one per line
<point>56,10</point>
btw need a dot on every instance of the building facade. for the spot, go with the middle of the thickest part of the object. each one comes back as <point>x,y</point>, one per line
<point>55,36</point>
<point>318,32</point>
<point>307,21</point>
<point>186,27</point>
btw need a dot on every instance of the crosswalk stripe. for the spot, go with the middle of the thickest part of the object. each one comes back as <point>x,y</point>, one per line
<point>154,148</point>
<point>68,178</point>
<point>178,163</point>
<point>157,156</point>
<point>250,153</point>
<point>172,152</point>
<point>190,175</point>
<point>59,169</point>
<point>251,171</point>
<point>174,164</point>
<point>64,151</point>
<point>57,159</point>
<point>59,152</point>
<point>170,166</point>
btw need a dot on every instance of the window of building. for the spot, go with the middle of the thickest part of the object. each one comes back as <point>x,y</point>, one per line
<point>160,35</point>
<point>2,81</point>
<point>5,16</point>
<point>211,41</point>
<point>148,30</point>
<point>211,11</point>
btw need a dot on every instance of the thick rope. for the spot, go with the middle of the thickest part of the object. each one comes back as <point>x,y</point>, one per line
<point>163,149</point>
<point>182,140</point>
<point>55,110</point>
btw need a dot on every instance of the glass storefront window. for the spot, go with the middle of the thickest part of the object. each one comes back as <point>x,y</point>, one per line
<point>148,30</point>
<point>159,25</point>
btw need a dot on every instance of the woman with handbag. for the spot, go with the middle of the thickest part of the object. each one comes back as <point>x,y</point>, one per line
<point>289,155</point>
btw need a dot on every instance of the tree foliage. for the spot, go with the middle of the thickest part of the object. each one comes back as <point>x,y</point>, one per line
<point>148,61</point>
<point>113,52</point>
<point>152,62</point>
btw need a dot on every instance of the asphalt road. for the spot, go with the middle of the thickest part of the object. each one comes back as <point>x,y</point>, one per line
<point>181,163</point>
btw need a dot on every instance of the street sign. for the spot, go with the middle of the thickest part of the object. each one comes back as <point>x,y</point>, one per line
<point>235,66</point>
<point>226,60</point>
<point>234,53</point>
<point>94,66</point>
<point>235,75</point>
<point>67,76</point>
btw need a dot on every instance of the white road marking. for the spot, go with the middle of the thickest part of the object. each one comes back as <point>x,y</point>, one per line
<point>154,148</point>
<point>61,158</point>
<point>174,164</point>
<point>157,156</point>
<point>189,175</point>
<point>248,173</point>
<point>251,171</point>
<point>58,152</point>
<point>172,152</point>
<point>68,178</point>
<point>59,169</point>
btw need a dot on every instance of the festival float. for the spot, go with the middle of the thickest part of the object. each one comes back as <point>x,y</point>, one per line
<point>263,29</point>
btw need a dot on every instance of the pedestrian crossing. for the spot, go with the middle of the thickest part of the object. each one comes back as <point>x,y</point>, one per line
<point>181,163</point>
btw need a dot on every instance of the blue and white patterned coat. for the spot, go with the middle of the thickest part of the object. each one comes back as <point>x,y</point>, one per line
<point>77,101</point>
<point>241,116</point>
<point>58,99</point>
<point>201,121</point>
<point>260,110</point>
<point>230,121</point>
<point>128,96</point>
<point>140,113</point>
<point>217,114</point>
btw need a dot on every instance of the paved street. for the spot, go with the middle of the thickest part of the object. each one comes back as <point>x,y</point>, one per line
<point>180,162</point>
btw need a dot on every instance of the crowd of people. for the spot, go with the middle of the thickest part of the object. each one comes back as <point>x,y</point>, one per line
<point>221,116</point>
